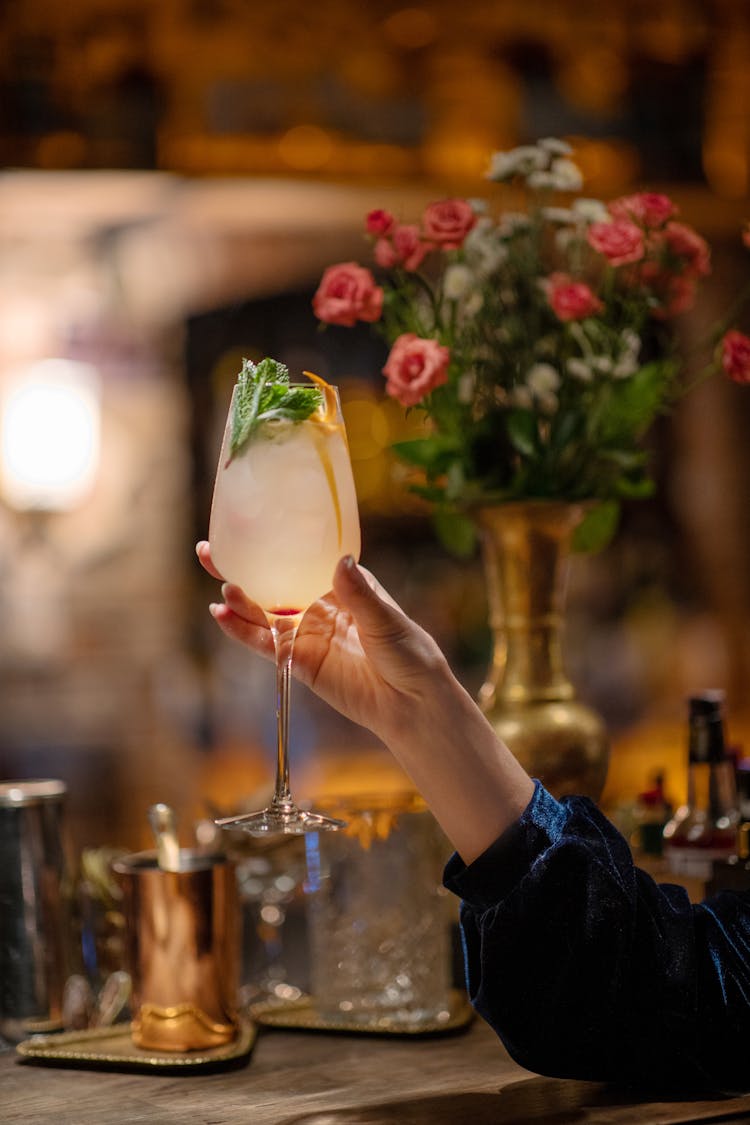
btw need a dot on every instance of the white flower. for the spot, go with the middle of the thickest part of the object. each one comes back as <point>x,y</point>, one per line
<point>483,249</point>
<point>541,181</point>
<point>542,379</point>
<point>557,214</point>
<point>631,342</point>
<point>564,175</point>
<point>626,366</point>
<point>555,146</point>
<point>465,387</point>
<point>591,211</point>
<point>579,369</point>
<point>473,304</point>
<point>568,176</point>
<point>457,281</point>
<point>627,363</point>
<point>518,161</point>
<point>564,239</point>
<point>513,221</point>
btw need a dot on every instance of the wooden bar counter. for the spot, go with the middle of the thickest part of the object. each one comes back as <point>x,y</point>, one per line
<point>317,1078</point>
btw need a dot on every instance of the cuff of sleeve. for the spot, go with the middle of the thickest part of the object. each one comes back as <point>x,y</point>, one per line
<point>497,871</point>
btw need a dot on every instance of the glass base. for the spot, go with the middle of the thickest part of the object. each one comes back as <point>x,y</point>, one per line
<point>287,822</point>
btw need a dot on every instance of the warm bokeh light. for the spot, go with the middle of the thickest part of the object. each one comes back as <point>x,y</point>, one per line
<point>411,27</point>
<point>50,435</point>
<point>306,147</point>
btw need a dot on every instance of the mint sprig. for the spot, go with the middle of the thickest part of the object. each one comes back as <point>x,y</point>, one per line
<point>264,395</point>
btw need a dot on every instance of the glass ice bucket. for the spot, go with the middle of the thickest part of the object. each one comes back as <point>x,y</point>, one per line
<point>379,919</point>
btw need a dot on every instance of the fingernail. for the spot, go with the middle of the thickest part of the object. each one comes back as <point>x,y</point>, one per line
<point>225,588</point>
<point>213,609</point>
<point>353,572</point>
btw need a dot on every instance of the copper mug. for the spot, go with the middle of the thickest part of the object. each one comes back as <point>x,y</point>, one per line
<point>183,944</point>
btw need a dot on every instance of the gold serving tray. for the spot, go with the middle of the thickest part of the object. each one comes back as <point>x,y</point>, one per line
<point>112,1048</point>
<point>302,1015</point>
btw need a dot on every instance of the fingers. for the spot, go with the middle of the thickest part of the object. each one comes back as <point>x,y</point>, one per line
<point>243,621</point>
<point>203,551</point>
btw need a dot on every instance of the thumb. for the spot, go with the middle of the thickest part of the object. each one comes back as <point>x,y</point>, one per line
<point>377,616</point>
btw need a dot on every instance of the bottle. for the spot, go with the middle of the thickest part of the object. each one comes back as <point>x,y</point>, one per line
<point>704,830</point>
<point>652,813</point>
<point>733,874</point>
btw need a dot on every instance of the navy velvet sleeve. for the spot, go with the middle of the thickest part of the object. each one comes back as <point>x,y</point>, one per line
<point>587,968</point>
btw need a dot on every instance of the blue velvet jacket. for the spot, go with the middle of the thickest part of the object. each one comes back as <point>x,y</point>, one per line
<point>587,968</point>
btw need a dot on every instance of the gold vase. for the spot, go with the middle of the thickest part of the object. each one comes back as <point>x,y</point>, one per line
<point>527,696</point>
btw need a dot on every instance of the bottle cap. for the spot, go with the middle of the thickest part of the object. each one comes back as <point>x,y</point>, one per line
<point>706,724</point>
<point>707,704</point>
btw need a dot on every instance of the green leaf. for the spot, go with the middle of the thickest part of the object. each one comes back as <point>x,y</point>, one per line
<point>422,451</point>
<point>639,489</point>
<point>564,429</point>
<point>521,427</point>
<point>263,395</point>
<point>634,403</point>
<point>434,454</point>
<point>597,527</point>
<point>456,532</point>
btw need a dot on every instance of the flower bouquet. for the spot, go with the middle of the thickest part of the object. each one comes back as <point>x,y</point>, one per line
<point>538,344</point>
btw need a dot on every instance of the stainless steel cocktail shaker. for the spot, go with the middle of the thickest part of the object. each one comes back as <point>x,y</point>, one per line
<point>35,924</point>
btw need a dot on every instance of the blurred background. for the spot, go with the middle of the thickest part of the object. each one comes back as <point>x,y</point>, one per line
<point>176,176</point>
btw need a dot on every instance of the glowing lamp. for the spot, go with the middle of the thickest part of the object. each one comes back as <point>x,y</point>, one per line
<point>49,435</point>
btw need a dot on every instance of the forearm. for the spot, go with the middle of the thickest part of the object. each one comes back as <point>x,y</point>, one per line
<point>469,778</point>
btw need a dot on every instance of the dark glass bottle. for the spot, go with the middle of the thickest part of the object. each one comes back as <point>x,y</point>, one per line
<point>704,830</point>
<point>733,874</point>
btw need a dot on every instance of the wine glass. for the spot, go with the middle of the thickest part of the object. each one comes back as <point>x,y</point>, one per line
<point>284,512</point>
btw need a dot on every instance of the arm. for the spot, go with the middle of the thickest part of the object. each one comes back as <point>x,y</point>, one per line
<point>583,965</point>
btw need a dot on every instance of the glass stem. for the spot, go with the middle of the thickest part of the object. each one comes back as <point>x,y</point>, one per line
<point>284,630</point>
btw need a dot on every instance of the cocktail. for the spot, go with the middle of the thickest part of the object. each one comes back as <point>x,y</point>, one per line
<point>284,512</point>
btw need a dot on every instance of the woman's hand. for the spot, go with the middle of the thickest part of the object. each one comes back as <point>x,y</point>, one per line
<point>355,647</point>
<point>360,653</point>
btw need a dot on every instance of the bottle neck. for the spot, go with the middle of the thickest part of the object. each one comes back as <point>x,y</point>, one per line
<point>712,790</point>
<point>706,740</point>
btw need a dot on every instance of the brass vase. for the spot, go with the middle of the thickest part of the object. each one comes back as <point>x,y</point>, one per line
<point>527,695</point>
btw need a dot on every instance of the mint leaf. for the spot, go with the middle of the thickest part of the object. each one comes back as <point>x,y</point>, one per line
<point>264,395</point>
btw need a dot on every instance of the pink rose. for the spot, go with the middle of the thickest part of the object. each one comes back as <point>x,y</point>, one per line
<point>347,293</point>
<point>682,242</point>
<point>619,241</point>
<point>384,253</point>
<point>677,295</point>
<point>379,222</point>
<point>648,208</point>
<point>410,248</point>
<point>403,247</point>
<point>735,356</point>
<point>415,366</point>
<point>448,222</point>
<point>570,299</point>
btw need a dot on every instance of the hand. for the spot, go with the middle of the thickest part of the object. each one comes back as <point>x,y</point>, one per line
<point>355,647</point>
<point>361,653</point>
